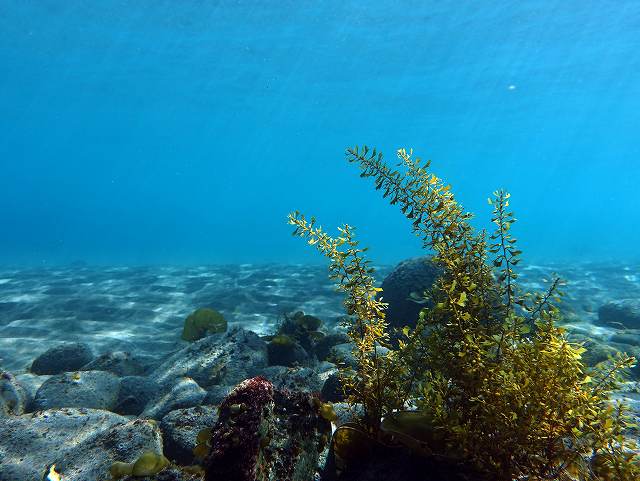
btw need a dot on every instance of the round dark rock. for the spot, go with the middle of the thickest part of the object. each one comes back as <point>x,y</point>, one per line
<point>408,280</point>
<point>304,379</point>
<point>283,350</point>
<point>62,358</point>
<point>624,313</point>
<point>332,389</point>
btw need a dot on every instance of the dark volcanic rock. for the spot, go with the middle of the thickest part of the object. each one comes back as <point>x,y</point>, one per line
<point>332,389</point>
<point>624,313</point>
<point>409,278</point>
<point>62,358</point>
<point>278,434</point>
<point>284,351</point>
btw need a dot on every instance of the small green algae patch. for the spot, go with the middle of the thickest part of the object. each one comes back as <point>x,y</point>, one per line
<point>203,322</point>
<point>148,464</point>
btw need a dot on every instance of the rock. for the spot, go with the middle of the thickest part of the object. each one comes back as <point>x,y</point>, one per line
<point>267,434</point>
<point>597,352</point>
<point>180,429</point>
<point>135,392</point>
<point>222,359</point>
<point>203,322</point>
<point>624,313</point>
<point>62,358</point>
<point>408,279</point>
<point>293,378</point>
<point>14,398</point>
<point>332,389</point>
<point>341,354</point>
<point>82,389</point>
<point>283,350</point>
<point>85,444</point>
<point>216,394</point>
<point>628,338</point>
<point>323,347</point>
<point>119,363</point>
<point>184,393</point>
<point>31,382</point>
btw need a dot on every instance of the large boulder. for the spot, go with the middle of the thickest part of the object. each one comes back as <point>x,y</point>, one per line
<point>221,359</point>
<point>63,358</point>
<point>267,434</point>
<point>403,289</point>
<point>82,443</point>
<point>624,313</point>
<point>82,389</point>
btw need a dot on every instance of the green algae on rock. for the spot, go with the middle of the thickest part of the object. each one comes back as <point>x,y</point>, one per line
<point>203,322</point>
<point>148,464</point>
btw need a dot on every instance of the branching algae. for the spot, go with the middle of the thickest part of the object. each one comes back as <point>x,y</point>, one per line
<point>487,378</point>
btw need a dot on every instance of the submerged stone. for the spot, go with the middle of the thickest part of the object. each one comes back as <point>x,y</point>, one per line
<point>62,358</point>
<point>624,313</point>
<point>82,443</point>
<point>402,289</point>
<point>82,389</point>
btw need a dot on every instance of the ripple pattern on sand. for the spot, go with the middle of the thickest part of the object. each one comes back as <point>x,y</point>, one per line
<point>142,309</point>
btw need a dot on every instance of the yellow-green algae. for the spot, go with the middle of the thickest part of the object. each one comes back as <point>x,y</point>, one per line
<point>148,464</point>
<point>203,322</point>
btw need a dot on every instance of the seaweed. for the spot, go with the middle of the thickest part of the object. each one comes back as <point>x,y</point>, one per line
<point>487,369</point>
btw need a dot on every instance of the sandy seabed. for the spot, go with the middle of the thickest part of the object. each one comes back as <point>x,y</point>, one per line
<point>142,309</point>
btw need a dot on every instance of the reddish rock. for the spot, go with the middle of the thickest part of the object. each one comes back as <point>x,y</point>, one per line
<point>266,434</point>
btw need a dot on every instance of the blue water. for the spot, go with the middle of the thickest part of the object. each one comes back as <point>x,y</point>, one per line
<point>136,132</point>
